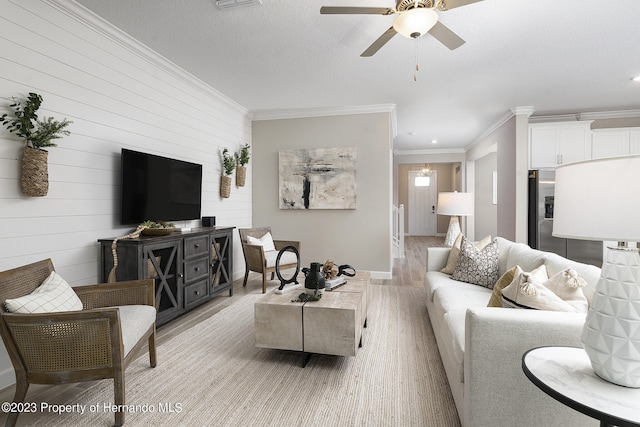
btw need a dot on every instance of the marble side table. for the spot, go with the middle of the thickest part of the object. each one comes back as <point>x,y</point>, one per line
<point>565,373</point>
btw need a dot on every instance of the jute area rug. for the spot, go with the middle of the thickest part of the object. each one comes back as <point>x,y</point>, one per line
<point>213,375</point>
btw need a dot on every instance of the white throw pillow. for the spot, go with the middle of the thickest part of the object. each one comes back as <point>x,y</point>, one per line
<point>53,295</point>
<point>265,241</point>
<point>567,285</point>
<point>527,291</point>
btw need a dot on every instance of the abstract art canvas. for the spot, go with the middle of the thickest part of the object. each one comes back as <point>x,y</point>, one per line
<point>318,178</point>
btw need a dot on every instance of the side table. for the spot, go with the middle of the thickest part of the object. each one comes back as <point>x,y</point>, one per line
<point>565,373</point>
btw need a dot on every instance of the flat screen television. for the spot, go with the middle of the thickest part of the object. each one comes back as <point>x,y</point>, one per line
<point>158,188</point>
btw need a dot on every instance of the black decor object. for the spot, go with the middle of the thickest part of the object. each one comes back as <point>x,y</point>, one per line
<point>314,280</point>
<point>294,278</point>
<point>208,221</point>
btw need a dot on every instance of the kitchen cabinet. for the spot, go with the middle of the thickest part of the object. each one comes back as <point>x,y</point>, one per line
<point>553,144</point>
<point>189,268</point>
<point>615,142</point>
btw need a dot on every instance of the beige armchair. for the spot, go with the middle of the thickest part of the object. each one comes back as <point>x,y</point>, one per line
<point>260,261</point>
<point>96,342</point>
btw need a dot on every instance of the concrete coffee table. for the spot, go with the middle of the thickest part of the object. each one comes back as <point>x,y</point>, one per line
<point>333,325</point>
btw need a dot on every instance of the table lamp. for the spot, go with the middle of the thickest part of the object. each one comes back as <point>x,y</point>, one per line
<point>454,204</point>
<point>600,200</point>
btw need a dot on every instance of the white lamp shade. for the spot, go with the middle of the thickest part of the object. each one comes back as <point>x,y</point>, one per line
<point>415,23</point>
<point>454,203</point>
<point>598,200</point>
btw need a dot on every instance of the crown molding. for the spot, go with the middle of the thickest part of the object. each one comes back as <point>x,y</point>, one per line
<point>528,111</point>
<point>621,114</point>
<point>301,113</point>
<point>429,151</point>
<point>109,31</point>
<point>497,125</point>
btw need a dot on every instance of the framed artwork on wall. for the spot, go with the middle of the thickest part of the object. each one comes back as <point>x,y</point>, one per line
<point>317,178</point>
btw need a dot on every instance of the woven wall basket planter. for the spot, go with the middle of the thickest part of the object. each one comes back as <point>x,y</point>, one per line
<point>241,176</point>
<point>35,174</point>
<point>225,186</point>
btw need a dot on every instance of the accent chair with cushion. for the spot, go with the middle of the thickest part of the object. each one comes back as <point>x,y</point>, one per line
<point>260,253</point>
<point>56,334</point>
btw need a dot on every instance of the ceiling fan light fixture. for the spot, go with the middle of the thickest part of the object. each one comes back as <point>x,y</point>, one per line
<point>416,22</point>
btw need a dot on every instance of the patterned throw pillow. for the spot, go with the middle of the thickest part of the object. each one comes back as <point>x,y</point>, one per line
<point>454,253</point>
<point>477,266</point>
<point>53,295</point>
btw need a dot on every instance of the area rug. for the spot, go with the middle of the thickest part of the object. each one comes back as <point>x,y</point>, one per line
<point>213,375</point>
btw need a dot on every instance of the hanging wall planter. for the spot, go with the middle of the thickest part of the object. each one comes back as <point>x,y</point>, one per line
<point>35,172</point>
<point>242,158</point>
<point>37,135</point>
<point>228,165</point>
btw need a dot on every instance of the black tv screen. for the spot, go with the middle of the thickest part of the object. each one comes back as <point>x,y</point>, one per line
<point>158,188</point>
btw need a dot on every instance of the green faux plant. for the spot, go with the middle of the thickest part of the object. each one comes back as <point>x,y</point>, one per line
<point>242,155</point>
<point>38,133</point>
<point>228,162</point>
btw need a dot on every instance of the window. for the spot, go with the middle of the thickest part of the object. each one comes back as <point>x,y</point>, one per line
<point>422,181</point>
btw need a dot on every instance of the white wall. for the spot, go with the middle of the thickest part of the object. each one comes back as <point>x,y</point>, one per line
<point>485,212</point>
<point>118,94</point>
<point>360,237</point>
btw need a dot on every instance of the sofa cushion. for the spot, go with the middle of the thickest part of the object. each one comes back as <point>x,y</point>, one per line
<point>287,257</point>
<point>477,266</point>
<point>528,259</point>
<point>448,299</point>
<point>526,291</point>
<point>506,279</point>
<point>53,295</point>
<point>135,320</point>
<point>454,253</point>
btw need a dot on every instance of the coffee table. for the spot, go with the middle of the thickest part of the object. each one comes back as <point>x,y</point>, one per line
<point>333,325</point>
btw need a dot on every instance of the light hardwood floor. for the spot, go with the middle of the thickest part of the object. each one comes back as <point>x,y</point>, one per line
<point>406,272</point>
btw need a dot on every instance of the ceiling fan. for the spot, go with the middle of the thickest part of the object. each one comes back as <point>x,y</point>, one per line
<point>415,19</point>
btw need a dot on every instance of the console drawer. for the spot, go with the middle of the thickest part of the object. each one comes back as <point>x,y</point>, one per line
<point>195,269</point>
<point>195,292</point>
<point>194,246</point>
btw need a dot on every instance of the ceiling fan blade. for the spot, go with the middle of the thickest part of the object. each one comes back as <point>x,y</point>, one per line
<point>452,4</point>
<point>381,41</point>
<point>445,36</point>
<point>339,10</point>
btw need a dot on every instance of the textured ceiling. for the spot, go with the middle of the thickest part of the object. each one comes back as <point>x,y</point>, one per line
<point>559,56</point>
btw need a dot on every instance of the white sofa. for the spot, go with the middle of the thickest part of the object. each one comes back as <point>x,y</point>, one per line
<point>482,347</point>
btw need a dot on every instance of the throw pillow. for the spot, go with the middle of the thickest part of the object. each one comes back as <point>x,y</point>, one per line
<point>477,266</point>
<point>526,291</point>
<point>265,241</point>
<point>53,295</point>
<point>506,279</point>
<point>567,285</point>
<point>454,253</point>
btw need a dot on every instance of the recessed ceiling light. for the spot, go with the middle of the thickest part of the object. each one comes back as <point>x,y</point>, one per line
<point>434,141</point>
<point>636,79</point>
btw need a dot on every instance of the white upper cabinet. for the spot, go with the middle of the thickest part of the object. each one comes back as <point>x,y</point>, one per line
<point>615,142</point>
<point>553,144</point>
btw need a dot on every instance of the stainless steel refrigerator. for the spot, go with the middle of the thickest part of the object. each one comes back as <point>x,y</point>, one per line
<point>541,203</point>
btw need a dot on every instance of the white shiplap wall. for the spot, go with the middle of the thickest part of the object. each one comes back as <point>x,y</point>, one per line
<point>118,94</point>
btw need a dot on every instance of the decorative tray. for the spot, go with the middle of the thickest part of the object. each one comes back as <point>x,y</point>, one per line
<point>158,231</point>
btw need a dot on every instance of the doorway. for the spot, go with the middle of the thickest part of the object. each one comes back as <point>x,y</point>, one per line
<point>422,203</point>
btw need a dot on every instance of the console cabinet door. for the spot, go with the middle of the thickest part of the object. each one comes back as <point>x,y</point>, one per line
<point>162,262</point>
<point>221,271</point>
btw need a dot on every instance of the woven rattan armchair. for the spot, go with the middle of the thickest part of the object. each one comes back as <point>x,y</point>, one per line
<point>74,346</point>
<point>259,261</point>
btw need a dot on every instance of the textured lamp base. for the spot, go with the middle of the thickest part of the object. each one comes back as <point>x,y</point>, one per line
<point>452,231</point>
<point>611,335</point>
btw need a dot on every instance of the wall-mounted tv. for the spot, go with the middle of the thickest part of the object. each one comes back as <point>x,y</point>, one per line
<point>158,188</point>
